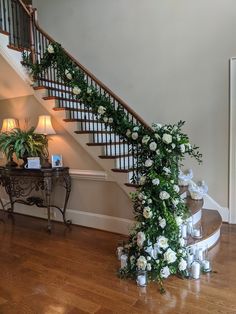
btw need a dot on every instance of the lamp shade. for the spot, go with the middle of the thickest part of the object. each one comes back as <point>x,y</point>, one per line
<point>45,126</point>
<point>9,124</point>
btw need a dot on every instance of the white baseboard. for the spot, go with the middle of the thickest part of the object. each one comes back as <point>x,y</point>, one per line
<point>82,218</point>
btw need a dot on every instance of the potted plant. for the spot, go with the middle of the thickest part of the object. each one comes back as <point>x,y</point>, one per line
<point>23,144</point>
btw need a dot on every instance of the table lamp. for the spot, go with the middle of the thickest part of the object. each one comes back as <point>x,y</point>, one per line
<point>7,126</point>
<point>44,127</point>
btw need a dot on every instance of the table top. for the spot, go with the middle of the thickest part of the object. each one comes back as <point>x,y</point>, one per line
<point>18,171</point>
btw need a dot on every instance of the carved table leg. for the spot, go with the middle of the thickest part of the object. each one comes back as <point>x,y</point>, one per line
<point>48,190</point>
<point>67,182</point>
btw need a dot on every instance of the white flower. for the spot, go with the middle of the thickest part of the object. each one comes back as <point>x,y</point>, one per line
<point>165,272</point>
<point>167,138</point>
<point>142,180</point>
<point>134,135</point>
<point>175,202</point>
<point>76,90</point>
<point>136,128</point>
<point>141,262</point>
<point>110,120</point>
<point>68,74</point>
<point>166,170</point>
<point>162,222</point>
<point>89,90</point>
<point>182,148</point>
<point>164,195</point>
<point>178,137</point>
<point>101,110</point>
<point>105,119</point>
<point>178,220</point>
<point>176,188</point>
<point>140,238</point>
<point>50,48</point>
<point>156,181</point>
<point>128,133</point>
<point>182,241</point>
<point>157,126</point>
<point>148,163</point>
<point>158,151</point>
<point>149,201</point>
<point>153,146</point>
<point>145,139</point>
<point>147,212</point>
<point>141,196</point>
<point>170,256</point>
<point>149,266</point>
<point>173,145</point>
<point>162,242</point>
<point>182,264</point>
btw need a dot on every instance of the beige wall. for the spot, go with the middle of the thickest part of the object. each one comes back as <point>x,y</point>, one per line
<point>168,59</point>
<point>99,197</point>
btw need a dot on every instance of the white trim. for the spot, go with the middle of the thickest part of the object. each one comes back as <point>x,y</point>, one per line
<point>93,175</point>
<point>209,242</point>
<point>232,142</point>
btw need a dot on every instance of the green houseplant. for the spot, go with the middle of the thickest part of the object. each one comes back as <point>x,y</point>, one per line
<point>23,143</point>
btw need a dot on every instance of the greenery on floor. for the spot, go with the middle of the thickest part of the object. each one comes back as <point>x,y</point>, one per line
<point>155,243</point>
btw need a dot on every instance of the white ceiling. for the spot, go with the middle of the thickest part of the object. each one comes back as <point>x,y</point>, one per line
<point>11,85</point>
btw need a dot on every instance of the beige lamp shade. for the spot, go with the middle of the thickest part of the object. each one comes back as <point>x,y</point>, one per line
<point>9,124</point>
<point>45,126</point>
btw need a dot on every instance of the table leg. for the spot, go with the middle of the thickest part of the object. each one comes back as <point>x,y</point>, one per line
<point>48,191</point>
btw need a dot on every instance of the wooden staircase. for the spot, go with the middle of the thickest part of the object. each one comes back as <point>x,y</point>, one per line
<point>112,151</point>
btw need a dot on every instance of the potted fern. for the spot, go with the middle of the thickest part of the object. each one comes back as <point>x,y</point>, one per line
<point>23,144</point>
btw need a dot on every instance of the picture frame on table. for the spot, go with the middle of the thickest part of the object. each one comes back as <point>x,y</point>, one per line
<point>57,161</point>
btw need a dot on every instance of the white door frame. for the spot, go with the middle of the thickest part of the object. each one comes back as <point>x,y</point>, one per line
<point>232,141</point>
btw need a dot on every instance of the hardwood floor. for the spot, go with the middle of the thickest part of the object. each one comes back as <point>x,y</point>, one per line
<point>75,272</point>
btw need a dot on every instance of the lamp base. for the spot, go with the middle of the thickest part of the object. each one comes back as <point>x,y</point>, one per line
<point>46,163</point>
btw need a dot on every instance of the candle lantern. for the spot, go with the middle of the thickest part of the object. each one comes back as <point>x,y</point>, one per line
<point>119,252</point>
<point>123,260</point>
<point>141,278</point>
<point>197,232</point>
<point>195,270</point>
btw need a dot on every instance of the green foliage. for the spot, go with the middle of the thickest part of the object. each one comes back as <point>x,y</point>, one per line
<point>23,144</point>
<point>155,243</point>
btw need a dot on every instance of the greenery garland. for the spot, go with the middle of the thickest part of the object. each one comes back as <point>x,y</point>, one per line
<point>155,243</point>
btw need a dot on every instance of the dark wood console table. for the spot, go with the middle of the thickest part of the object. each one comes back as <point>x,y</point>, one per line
<point>20,183</point>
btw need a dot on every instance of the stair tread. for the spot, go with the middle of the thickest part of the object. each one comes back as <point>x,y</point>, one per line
<point>106,143</point>
<point>211,222</point>
<point>114,156</point>
<point>194,205</point>
<point>58,97</point>
<point>80,120</point>
<point>95,132</point>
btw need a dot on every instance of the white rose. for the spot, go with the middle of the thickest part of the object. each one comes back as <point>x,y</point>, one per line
<point>182,264</point>
<point>141,262</point>
<point>101,110</point>
<point>175,202</point>
<point>149,266</point>
<point>158,151</point>
<point>153,146</point>
<point>89,90</point>
<point>167,138</point>
<point>170,256</point>
<point>142,180</point>
<point>147,212</point>
<point>134,135</point>
<point>145,139</point>
<point>166,170</point>
<point>68,74</point>
<point>110,120</point>
<point>165,272</point>
<point>162,242</point>
<point>164,195</point>
<point>176,188</point>
<point>178,220</point>
<point>50,49</point>
<point>162,222</point>
<point>156,181</point>
<point>182,148</point>
<point>76,90</point>
<point>140,238</point>
<point>148,163</point>
<point>128,133</point>
<point>105,119</point>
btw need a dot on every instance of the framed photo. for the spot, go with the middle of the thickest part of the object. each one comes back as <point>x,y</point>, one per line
<point>57,161</point>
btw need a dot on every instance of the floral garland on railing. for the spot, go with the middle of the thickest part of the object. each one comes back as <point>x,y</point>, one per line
<point>155,243</point>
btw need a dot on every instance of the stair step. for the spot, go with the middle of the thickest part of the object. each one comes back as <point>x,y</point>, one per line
<point>4,32</point>
<point>53,83</point>
<point>113,156</point>
<point>105,143</point>
<point>211,222</point>
<point>81,120</point>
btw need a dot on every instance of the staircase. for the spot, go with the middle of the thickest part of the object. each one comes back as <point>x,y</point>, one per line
<point>20,32</point>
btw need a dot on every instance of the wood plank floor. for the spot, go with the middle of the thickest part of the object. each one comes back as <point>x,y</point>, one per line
<point>75,272</point>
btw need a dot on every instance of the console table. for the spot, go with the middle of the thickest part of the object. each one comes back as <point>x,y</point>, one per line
<point>20,184</point>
